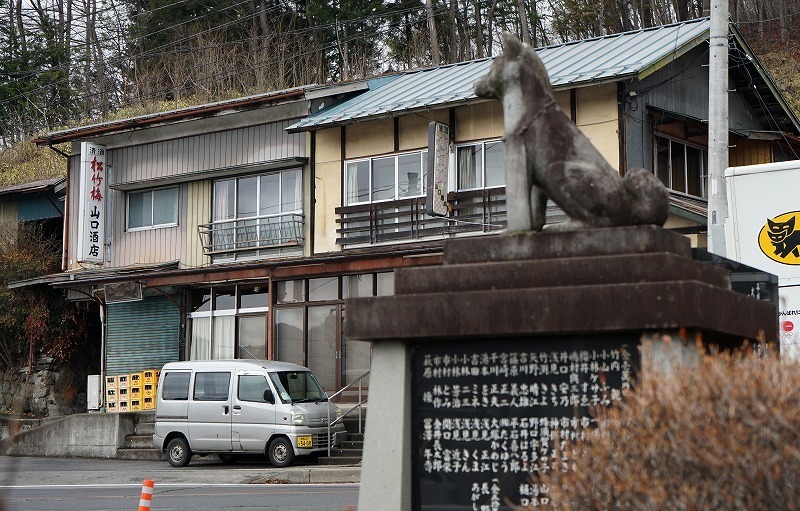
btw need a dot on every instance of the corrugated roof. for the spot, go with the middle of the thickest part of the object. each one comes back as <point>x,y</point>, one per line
<point>34,186</point>
<point>611,57</point>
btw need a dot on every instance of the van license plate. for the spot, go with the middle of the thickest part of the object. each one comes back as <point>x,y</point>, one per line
<point>304,441</point>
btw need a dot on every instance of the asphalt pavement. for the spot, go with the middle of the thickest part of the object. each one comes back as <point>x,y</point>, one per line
<point>209,470</point>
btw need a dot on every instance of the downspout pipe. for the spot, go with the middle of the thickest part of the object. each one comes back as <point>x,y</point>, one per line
<point>65,229</point>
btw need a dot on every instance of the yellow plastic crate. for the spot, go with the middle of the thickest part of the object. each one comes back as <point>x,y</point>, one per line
<point>135,405</point>
<point>136,379</point>
<point>135,392</point>
<point>122,406</point>
<point>148,404</point>
<point>123,382</point>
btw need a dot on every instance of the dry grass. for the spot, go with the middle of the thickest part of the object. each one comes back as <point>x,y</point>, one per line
<point>723,434</point>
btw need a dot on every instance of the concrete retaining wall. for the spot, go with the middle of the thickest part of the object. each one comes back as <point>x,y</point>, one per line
<point>85,435</point>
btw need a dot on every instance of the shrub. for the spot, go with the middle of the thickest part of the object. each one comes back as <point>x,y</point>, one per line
<point>721,434</point>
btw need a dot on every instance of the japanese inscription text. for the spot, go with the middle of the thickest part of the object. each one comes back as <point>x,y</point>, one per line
<point>486,414</point>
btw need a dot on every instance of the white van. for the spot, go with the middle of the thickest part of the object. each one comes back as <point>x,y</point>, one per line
<point>233,407</point>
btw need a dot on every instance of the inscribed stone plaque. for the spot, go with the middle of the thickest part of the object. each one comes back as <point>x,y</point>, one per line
<point>487,413</point>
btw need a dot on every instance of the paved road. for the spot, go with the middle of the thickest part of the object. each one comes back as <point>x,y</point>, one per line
<point>209,470</point>
<point>175,497</point>
<point>55,484</point>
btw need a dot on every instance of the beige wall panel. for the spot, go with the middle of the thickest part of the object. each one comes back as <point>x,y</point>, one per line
<point>197,212</point>
<point>329,145</point>
<point>328,193</point>
<point>597,118</point>
<point>479,121</point>
<point>414,128</point>
<point>369,138</point>
<point>562,97</point>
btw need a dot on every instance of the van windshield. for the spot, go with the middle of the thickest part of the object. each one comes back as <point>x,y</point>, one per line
<point>298,387</point>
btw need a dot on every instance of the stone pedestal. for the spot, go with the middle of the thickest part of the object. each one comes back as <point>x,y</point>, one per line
<point>579,294</point>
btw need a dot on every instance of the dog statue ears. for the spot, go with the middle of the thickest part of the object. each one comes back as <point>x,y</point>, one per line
<point>513,46</point>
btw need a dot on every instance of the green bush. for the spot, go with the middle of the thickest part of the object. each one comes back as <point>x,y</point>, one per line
<point>719,434</point>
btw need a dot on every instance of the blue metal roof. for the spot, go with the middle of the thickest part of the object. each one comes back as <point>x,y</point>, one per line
<point>607,58</point>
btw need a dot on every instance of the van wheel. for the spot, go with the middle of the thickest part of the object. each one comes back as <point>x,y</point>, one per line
<point>280,452</point>
<point>178,452</point>
<point>227,458</point>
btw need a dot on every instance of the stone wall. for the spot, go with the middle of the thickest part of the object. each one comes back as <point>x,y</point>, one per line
<point>52,391</point>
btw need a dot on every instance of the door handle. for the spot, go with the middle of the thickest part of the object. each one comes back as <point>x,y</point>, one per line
<point>225,410</point>
<point>236,407</point>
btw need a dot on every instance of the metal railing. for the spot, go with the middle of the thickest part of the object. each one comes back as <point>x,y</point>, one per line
<point>266,231</point>
<point>358,406</point>
<point>405,219</point>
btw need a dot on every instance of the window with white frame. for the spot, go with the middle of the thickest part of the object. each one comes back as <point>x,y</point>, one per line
<point>257,211</point>
<point>229,322</point>
<point>385,178</point>
<point>480,165</point>
<point>681,166</point>
<point>147,209</point>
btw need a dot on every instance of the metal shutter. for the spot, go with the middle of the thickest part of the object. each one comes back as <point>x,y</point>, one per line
<point>141,335</point>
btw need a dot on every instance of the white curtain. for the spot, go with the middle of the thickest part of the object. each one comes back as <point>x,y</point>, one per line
<point>201,339</point>
<point>352,183</point>
<point>223,337</point>
<point>467,168</point>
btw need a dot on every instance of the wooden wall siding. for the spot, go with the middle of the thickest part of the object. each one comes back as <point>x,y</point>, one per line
<point>750,152</point>
<point>198,211</point>
<point>244,146</point>
<point>147,246</point>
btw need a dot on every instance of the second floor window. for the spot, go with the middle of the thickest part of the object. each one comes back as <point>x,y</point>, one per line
<point>480,165</point>
<point>153,208</point>
<point>680,166</point>
<point>385,178</point>
<point>254,197</point>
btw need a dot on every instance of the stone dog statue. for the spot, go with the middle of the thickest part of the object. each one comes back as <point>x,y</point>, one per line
<point>547,156</point>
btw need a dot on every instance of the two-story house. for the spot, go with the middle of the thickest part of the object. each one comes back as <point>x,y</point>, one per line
<point>238,229</point>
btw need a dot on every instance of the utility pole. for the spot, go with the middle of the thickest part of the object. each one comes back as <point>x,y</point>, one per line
<point>717,126</point>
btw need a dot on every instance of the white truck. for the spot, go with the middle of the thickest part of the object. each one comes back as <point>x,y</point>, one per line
<point>763,231</point>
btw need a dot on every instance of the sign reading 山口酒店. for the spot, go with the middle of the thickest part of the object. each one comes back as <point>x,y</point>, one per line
<point>486,414</point>
<point>91,215</point>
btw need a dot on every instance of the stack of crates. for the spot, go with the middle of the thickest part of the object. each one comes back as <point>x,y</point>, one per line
<point>150,382</point>
<point>111,394</point>
<point>123,397</point>
<point>132,392</point>
<point>135,391</point>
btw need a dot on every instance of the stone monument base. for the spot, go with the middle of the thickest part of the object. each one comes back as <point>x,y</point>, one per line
<point>585,294</point>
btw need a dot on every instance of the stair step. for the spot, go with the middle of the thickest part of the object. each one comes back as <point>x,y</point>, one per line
<point>347,453</point>
<point>340,460</point>
<point>139,442</point>
<point>144,428</point>
<point>139,454</point>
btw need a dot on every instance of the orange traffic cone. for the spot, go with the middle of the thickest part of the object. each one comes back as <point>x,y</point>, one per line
<point>147,495</point>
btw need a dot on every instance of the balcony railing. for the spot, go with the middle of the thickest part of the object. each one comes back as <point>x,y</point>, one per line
<point>405,219</point>
<point>262,232</point>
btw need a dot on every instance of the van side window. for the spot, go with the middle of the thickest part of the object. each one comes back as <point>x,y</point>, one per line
<point>211,386</point>
<point>176,386</point>
<point>252,387</point>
